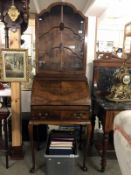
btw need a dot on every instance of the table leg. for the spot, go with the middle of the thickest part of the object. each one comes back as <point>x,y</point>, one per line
<point>80,136</point>
<point>93,121</point>
<point>89,137</point>
<point>87,145</point>
<point>6,143</point>
<point>30,129</point>
<point>104,149</point>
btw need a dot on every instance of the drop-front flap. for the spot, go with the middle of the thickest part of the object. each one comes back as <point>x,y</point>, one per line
<point>60,41</point>
<point>52,92</point>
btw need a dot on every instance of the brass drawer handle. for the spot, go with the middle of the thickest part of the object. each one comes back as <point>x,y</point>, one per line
<point>78,114</point>
<point>43,114</point>
<point>46,114</point>
<point>39,114</point>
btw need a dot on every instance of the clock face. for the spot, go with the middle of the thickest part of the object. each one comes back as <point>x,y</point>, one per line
<point>126,79</point>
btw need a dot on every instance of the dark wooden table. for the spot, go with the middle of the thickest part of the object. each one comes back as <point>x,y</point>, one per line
<point>106,112</point>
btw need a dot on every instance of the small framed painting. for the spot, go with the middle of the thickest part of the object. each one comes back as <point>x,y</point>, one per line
<point>14,64</point>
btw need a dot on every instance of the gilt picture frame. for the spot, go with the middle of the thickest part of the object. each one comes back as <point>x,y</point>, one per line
<point>14,65</point>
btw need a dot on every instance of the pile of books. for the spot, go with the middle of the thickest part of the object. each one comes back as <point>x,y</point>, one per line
<point>61,143</point>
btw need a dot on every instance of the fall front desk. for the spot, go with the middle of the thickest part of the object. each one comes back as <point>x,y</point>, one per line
<point>60,93</point>
<point>58,102</point>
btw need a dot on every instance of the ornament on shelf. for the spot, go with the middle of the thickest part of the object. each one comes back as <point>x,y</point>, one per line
<point>121,90</point>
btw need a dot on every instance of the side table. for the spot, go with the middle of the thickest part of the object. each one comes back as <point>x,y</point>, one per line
<point>106,111</point>
<point>4,115</point>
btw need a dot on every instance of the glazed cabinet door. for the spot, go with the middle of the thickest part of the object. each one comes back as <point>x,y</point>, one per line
<point>60,40</point>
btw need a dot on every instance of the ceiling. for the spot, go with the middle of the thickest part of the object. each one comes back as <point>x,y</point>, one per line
<point>108,8</point>
<point>36,6</point>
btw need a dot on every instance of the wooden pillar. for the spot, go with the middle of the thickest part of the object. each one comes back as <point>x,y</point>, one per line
<point>15,15</point>
<point>16,148</point>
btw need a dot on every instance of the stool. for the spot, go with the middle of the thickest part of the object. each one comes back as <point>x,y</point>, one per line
<point>4,115</point>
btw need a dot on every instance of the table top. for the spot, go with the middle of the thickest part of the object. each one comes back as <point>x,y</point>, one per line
<point>111,105</point>
<point>5,92</point>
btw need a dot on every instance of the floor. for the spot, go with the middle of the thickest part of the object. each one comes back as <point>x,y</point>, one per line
<point>22,167</point>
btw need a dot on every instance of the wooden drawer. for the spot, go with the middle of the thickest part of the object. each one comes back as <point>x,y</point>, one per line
<point>75,115</point>
<point>45,114</point>
<point>60,115</point>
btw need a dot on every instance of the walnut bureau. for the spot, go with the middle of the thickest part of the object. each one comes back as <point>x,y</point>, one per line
<point>60,92</point>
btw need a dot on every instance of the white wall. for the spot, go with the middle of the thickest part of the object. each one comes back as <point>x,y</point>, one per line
<point>103,29</point>
<point>111,29</point>
<point>91,47</point>
<point>25,101</point>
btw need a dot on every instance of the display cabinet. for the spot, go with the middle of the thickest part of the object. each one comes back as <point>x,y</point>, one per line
<point>60,42</point>
<point>60,92</point>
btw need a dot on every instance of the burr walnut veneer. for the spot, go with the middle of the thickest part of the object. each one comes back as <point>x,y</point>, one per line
<point>60,93</point>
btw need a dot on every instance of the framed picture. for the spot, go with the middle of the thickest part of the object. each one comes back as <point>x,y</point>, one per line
<point>14,64</point>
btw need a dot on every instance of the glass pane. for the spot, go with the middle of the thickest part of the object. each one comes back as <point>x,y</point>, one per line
<point>60,40</point>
